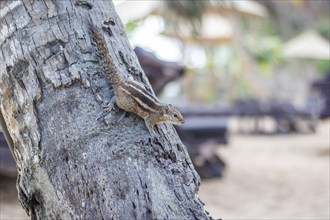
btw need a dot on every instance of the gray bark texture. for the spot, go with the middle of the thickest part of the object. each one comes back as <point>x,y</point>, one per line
<point>75,161</point>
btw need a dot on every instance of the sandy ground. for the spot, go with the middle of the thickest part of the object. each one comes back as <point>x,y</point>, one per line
<point>273,177</point>
<point>10,208</point>
<point>268,177</point>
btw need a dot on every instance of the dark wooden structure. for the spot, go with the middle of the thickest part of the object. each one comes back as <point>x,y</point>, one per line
<point>202,136</point>
<point>288,118</point>
<point>322,86</point>
<point>204,129</point>
<point>159,72</point>
<point>7,162</point>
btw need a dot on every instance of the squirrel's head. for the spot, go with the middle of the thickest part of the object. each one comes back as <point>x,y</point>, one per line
<point>172,115</point>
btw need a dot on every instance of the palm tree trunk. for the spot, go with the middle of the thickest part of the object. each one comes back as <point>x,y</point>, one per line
<point>73,161</point>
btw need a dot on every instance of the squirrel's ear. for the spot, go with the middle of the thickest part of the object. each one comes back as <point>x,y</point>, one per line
<point>167,108</point>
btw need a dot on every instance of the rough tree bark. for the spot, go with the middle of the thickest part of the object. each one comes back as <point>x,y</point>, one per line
<point>72,165</point>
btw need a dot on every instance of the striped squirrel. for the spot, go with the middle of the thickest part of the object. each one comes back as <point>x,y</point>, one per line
<point>132,96</point>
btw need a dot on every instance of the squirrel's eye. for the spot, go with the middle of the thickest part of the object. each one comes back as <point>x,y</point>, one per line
<point>175,115</point>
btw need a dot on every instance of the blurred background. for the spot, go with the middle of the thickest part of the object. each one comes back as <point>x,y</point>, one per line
<point>252,79</point>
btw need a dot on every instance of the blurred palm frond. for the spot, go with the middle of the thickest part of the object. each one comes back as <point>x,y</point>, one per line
<point>189,12</point>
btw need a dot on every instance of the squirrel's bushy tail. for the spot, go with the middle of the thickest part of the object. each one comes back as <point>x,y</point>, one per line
<point>107,63</point>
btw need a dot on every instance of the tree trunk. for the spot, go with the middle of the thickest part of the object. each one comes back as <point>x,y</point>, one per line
<point>75,161</point>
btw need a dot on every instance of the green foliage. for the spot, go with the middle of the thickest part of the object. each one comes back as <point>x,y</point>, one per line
<point>188,11</point>
<point>323,28</point>
<point>323,66</point>
<point>266,50</point>
<point>131,26</point>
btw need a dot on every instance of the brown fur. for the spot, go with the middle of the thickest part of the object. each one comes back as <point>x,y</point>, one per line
<point>133,97</point>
